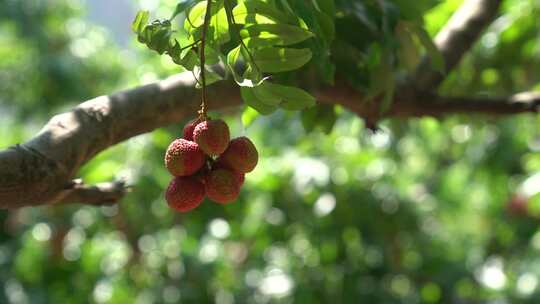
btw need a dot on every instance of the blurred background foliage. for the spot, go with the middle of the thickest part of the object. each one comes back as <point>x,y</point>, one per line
<point>424,211</point>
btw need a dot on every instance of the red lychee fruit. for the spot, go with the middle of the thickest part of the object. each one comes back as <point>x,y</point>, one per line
<point>189,128</point>
<point>212,136</point>
<point>240,156</point>
<point>239,176</point>
<point>518,205</point>
<point>184,157</point>
<point>185,193</point>
<point>222,186</point>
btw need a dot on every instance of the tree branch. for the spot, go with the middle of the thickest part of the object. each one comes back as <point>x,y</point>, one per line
<point>98,195</point>
<point>430,104</point>
<point>41,171</point>
<point>456,38</point>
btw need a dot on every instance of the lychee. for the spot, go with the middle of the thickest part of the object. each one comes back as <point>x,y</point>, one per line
<point>189,128</point>
<point>185,193</point>
<point>222,186</point>
<point>518,205</point>
<point>240,156</point>
<point>212,136</point>
<point>239,176</point>
<point>184,157</point>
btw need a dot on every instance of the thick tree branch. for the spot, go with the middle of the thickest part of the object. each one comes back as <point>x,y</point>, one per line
<point>429,104</point>
<point>42,170</point>
<point>456,38</point>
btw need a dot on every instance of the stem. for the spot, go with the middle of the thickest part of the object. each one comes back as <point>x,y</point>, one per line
<point>232,22</point>
<point>208,14</point>
<point>190,45</point>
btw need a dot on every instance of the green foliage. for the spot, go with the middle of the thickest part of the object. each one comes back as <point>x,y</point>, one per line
<point>271,37</point>
<point>266,97</point>
<point>264,39</point>
<point>323,116</point>
<point>265,35</point>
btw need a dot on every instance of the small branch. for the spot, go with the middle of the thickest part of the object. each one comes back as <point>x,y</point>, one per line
<point>456,38</point>
<point>208,14</point>
<point>97,195</point>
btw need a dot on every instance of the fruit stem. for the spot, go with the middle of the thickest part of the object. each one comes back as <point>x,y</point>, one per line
<point>208,14</point>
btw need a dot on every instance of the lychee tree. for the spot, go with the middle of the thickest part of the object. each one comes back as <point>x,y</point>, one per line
<point>373,58</point>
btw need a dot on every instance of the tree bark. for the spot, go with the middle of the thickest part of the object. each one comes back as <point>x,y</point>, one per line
<point>456,38</point>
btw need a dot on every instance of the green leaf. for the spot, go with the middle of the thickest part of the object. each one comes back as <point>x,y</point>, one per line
<point>250,78</point>
<point>388,96</point>
<point>264,93</point>
<point>211,55</point>
<point>292,98</point>
<point>382,81</point>
<point>140,22</point>
<point>408,53</point>
<point>189,61</point>
<point>251,100</point>
<point>210,76</point>
<point>319,117</point>
<point>248,116</point>
<point>316,5</point>
<point>257,12</point>
<point>263,35</point>
<point>413,10</point>
<point>327,27</point>
<point>253,74</point>
<point>195,18</point>
<point>327,71</point>
<point>181,7</point>
<point>158,36</point>
<point>233,56</point>
<point>219,26</point>
<point>232,60</point>
<point>274,60</point>
<point>437,60</point>
<point>287,6</point>
<point>327,6</point>
<point>159,40</point>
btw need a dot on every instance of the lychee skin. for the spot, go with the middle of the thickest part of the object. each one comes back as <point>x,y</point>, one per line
<point>184,157</point>
<point>222,186</point>
<point>518,205</point>
<point>240,156</point>
<point>189,128</point>
<point>185,193</point>
<point>239,176</point>
<point>212,136</point>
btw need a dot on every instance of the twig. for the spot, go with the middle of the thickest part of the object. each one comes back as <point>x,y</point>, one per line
<point>208,14</point>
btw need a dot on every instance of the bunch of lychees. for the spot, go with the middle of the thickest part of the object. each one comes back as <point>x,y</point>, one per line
<point>205,162</point>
